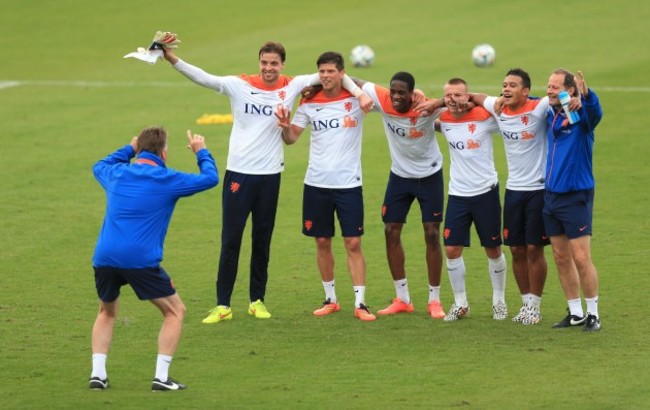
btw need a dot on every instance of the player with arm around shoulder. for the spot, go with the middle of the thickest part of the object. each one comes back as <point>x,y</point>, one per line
<point>522,123</point>
<point>473,197</point>
<point>416,174</point>
<point>333,181</point>
<point>140,200</point>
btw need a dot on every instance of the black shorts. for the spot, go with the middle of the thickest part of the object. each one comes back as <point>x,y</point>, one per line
<point>523,223</point>
<point>483,210</point>
<point>401,192</point>
<point>569,213</point>
<point>147,283</point>
<point>320,204</point>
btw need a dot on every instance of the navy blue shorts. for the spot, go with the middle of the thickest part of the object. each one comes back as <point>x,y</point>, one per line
<point>569,213</point>
<point>483,210</point>
<point>523,223</point>
<point>320,204</point>
<point>147,283</point>
<point>401,192</point>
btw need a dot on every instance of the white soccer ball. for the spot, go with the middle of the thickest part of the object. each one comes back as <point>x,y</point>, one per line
<point>362,56</point>
<point>483,55</point>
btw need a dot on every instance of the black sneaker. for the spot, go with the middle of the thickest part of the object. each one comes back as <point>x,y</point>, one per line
<point>570,321</point>
<point>592,324</point>
<point>170,384</point>
<point>96,383</point>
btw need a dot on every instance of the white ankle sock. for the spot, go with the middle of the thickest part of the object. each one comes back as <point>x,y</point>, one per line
<point>402,290</point>
<point>359,295</point>
<point>162,367</point>
<point>434,293</point>
<point>99,366</point>
<point>330,292</point>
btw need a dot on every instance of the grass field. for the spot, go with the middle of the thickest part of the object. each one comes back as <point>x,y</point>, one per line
<point>68,99</point>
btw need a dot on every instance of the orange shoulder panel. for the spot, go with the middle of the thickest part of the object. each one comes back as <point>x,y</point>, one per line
<point>475,114</point>
<point>527,107</point>
<point>257,82</point>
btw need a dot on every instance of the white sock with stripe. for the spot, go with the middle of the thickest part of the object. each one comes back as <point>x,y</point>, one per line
<point>456,271</point>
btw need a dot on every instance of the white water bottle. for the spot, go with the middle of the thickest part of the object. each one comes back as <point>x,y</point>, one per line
<point>572,116</point>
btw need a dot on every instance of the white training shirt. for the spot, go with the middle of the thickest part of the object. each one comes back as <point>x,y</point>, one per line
<point>526,145</point>
<point>469,138</point>
<point>256,145</point>
<point>335,147</point>
<point>411,137</point>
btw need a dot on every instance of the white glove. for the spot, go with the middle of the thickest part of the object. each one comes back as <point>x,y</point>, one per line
<point>166,39</point>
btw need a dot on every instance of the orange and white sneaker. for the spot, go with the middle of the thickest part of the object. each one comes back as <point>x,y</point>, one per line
<point>435,309</point>
<point>398,306</point>
<point>364,314</point>
<point>328,307</point>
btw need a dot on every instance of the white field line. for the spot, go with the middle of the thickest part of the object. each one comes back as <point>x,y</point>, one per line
<point>161,84</point>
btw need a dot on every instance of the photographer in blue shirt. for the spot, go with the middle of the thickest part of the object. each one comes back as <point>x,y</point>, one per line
<point>140,200</point>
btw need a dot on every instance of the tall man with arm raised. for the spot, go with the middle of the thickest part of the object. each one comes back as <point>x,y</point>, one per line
<point>255,162</point>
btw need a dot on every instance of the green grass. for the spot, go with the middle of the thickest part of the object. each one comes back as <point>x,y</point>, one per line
<point>53,130</point>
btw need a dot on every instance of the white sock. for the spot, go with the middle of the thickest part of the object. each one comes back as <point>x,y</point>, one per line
<point>525,298</point>
<point>456,271</point>
<point>575,307</point>
<point>162,367</point>
<point>535,301</point>
<point>592,306</point>
<point>498,275</point>
<point>359,295</point>
<point>99,366</point>
<point>434,293</point>
<point>330,292</point>
<point>402,290</point>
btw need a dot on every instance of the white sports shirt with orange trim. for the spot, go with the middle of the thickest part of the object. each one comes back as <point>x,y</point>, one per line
<point>256,145</point>
<point>472,169</point>
<point>335,147</point>
<point>526,145</point>
<point>411,137</point>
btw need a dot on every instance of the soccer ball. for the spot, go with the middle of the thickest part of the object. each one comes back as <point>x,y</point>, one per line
<point>362,56</point>
<point>483,55</point>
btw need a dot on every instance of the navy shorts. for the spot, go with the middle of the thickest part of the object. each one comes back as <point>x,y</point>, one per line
<point>147,283</point>
<point>523,223</point>
<point>483,210</point>
<point>569,213</point>
<point>320,204</point>
<point>401,192</point>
